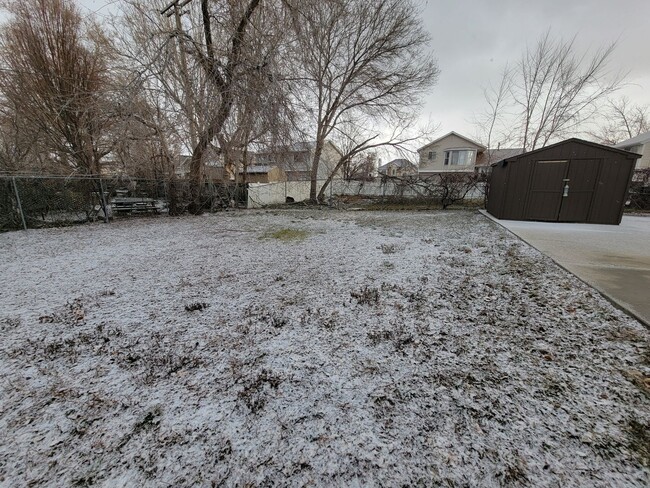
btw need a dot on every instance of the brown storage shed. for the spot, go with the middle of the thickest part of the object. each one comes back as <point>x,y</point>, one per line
<point>572,181</point>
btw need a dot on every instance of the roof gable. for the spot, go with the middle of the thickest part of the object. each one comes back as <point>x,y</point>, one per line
<point>452,133</point>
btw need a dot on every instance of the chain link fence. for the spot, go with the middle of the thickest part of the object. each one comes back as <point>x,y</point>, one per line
<point>28,202</point>
<point>639,197</point>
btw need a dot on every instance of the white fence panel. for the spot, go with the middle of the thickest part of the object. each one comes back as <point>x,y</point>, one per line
<point>262,194</point>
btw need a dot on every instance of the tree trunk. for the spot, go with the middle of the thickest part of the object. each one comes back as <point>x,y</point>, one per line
<point>330,177</point>
<point>196,176</point>
<point>314,171</point>
<point>196,163</point>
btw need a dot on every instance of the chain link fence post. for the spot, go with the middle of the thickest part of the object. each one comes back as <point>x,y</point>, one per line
<point>20,206</point>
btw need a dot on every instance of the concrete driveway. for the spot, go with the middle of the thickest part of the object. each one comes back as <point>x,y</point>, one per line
<point>614,259</point>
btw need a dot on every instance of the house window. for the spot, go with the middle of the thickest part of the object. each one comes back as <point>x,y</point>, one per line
<point>432,155</point>
<point>459,157</point>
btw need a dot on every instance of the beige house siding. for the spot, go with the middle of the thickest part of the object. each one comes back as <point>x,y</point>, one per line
<point>639,144</point>
<point>436,163</point>
<point>274,174</point>
<point>644,150</point>
<point>328,160</point>
<point>644,161</point>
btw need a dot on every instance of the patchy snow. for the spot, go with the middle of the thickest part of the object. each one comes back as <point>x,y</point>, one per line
<point>377,349</point>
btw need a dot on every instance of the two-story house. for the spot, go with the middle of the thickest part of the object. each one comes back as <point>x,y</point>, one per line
<point>454,152</point>
<point>450,153</point>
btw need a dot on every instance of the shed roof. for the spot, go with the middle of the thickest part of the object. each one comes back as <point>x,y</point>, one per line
<point>627,154</point>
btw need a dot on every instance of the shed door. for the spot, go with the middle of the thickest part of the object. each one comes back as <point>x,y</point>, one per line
<point>581,178</point>
<point>546,188</point>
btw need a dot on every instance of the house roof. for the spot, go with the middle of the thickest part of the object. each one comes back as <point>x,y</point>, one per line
<point>452,133</point>
<point>640,139</point>
<point>400,163</point>
<point>627,154</point>
<point>494,155</point>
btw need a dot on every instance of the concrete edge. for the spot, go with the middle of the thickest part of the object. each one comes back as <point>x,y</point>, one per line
<point>619,305</point>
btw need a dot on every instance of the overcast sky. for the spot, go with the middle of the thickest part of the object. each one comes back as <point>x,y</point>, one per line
<point>474,39</point>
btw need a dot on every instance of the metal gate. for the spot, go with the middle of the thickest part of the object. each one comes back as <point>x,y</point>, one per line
<point>562,190</point>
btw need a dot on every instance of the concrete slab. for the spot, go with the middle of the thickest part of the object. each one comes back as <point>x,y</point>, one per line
<point>614,259</point>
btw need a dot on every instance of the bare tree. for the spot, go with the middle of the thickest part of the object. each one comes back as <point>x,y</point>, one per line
<point>358,60</point>
<point>169,101</point>
<point>221,54</point>
<point>493,127</point>
<point>362,135</point>
<point>363,167</point>
<point>552,92</point>
<point>55,78</point>
<point>19,151</point>
<point>215,66</point>
<point>623,120</point>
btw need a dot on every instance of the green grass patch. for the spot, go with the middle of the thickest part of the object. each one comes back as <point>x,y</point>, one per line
<point>286,235</point>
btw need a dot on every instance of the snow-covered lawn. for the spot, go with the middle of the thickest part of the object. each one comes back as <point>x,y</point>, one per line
<point>312,348</point>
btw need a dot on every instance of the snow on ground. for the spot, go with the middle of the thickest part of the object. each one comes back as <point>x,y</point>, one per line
<point>319,348</point>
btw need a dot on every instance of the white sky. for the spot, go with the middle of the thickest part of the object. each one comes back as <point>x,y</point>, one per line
<point>473,39</point>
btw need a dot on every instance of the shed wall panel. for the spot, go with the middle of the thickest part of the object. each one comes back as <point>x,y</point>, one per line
<point>517,190</point>
<point>611,191</point>
<point>497,190</point>
<point>545,191</point>
<point>581,177</point>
